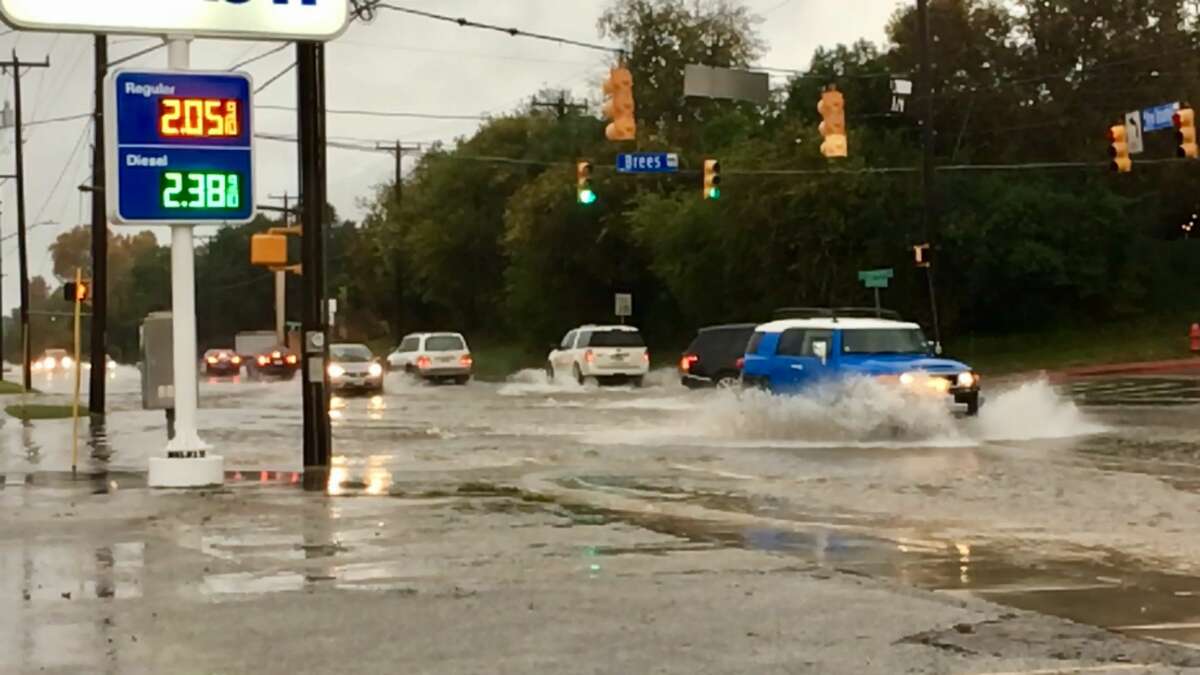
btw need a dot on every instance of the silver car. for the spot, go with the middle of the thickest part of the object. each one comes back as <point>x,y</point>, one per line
<point>353,368</point>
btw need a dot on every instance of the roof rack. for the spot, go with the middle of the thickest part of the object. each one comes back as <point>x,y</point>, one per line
<point>836,313</point>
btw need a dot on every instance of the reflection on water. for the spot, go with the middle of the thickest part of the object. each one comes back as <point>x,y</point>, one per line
<point>369,475</point>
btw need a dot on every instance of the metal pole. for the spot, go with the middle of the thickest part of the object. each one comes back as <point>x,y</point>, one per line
<point>311,121</point>
<point>22,244</point>
<point>929,218</point>
<point>878,306</point>
<point>78,376</point>
<point>99,350</point>
<point>187,442</point>
<point>280,300</point>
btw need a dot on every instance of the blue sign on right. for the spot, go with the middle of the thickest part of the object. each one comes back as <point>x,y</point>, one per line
<point>648,162</point>
<point>1159,117</point>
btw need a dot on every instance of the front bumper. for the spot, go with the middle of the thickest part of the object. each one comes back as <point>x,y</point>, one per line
<point>356,383</point>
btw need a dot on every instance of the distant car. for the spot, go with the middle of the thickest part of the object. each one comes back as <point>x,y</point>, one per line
<point>53,361</point>
<point>222,363</point>
<point>435,357</point>
<point>353,368</point>
<point>714,359</point>
<point>279,363</point>
<point>608,354</point>
<point>790,355</point>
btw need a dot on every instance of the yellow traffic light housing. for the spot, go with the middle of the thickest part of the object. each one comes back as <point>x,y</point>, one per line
<point>584,194</point>
<point>712,179</point>
<point>1119,149</point>
<point>833,125</point>
<point>1185,133</point>
<point>620,108</point>
<point>269,250</point>
<point>80,291</point>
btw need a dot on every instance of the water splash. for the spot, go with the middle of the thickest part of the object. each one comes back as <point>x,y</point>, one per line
<point>1029,411</point>
<point>534,381</point>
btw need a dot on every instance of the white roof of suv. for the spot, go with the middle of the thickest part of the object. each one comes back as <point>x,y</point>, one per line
<point>594,327</point>
<point>826,323</point>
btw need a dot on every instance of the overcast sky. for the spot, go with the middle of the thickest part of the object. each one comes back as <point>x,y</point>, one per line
<point>398,63</point>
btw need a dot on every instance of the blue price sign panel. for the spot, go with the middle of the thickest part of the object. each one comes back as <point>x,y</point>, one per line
<point>1159,117</point>
<point>648,162</point>
<point>180,147</point>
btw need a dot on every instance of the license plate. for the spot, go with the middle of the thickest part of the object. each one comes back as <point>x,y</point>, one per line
<point>620,357</point>
<point>445,359</point>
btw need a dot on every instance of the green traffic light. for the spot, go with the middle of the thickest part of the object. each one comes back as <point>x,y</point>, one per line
<point>714,193</point>
<point>587,197</point>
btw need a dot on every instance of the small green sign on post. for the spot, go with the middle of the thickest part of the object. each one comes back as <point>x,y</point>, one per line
<point>877,279</point>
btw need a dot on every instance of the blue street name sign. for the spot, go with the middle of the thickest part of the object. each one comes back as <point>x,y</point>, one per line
<point>1159,117</point>
<point>180,147</point>
<point>648,162</point>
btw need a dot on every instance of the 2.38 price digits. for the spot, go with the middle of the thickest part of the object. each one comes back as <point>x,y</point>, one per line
<point>198,118</point>
<point>201,190</point>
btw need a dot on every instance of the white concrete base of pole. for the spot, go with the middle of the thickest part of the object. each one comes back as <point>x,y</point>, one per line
<point>191,472</point>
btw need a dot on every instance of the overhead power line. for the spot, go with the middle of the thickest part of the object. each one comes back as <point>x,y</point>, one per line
<point>384,113</point>
<point>273,50</point>
<point>513,32</point>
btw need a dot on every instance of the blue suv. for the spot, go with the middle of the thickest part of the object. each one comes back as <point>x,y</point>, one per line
<point>789,354</point>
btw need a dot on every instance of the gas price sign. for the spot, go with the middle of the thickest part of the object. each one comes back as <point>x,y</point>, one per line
<point>180,147</point>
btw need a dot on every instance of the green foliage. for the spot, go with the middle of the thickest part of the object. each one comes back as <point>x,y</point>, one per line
<point>28,412</point>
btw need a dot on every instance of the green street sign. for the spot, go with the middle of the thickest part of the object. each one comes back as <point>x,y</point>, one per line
<point>876,278</point>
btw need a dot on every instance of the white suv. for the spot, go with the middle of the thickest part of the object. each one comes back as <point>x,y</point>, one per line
<point>437,357</point>
<point>606,353</point>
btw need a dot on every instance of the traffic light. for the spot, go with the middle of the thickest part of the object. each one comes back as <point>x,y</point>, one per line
<point>1119,150</point>
<point>712,179</point>
<point>833,126</point>
<point>921,255</point>
<point>584,193</point>
<point>1185,133</point>
<point>620,108</point>
<point>73,292</point>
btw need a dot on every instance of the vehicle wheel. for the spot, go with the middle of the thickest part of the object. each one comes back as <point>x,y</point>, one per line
<point>462,380</point>
<point>728,382</point>
<point>637,382</point>
<point>578,375</point>
<point>550,371</point>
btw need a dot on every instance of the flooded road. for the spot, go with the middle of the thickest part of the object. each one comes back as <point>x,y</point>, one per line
<point>1075,501</point>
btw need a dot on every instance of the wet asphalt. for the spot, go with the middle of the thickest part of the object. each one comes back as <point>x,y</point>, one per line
<point>1076,501</point>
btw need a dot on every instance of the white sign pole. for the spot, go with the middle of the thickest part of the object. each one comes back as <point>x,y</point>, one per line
<point>187,463</point>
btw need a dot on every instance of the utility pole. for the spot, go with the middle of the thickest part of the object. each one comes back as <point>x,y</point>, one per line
<point>399,150</point>
<point>22,245</point>
<point>562,106</point>
<point>929,217</point>
<point>99,347</point>
<point>310,85</point>
<point>281,277</point>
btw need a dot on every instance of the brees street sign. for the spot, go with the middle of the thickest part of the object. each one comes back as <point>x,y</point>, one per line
<point>317,20</point>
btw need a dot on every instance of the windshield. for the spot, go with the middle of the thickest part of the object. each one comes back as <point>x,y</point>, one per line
<point>444,343</point>
<point>884,341</point>
<point>350,353</point>
<point>616,338</point>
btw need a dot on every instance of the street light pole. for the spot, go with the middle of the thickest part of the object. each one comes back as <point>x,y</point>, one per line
<point>929,215</point>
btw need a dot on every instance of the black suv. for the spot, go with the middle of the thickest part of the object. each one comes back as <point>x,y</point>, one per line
<point>715,357</point>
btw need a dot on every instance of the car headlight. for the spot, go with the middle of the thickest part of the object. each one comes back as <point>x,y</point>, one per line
<point>336,371</point>
<point>375,370</point>
<point>907,379</point>
<point>968,379</point>
<point>67,362</point>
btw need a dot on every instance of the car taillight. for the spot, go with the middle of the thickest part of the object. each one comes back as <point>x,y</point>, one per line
<point>236,360</point>
<point>686,363</point>
<point>466,361</point>
<point>646,357</point>
<point>589,356</point>
<point>262,360</point>
<point>292,359</point>
<point>212,360</point>
<point>741,363</point>
<point>424,362</point>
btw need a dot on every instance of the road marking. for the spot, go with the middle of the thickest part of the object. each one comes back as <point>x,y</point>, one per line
<point>1161,626</point>
<point>716,472</point>
<point>1076,669</point>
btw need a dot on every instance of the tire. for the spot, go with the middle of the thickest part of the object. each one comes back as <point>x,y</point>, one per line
<point>550,371</point>
<point>462,380</point>
<point>638,382</point>
<point>578,375</point>
<point>727,381</point>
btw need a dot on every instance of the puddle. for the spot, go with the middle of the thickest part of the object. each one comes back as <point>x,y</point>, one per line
<point>1100,588</point>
